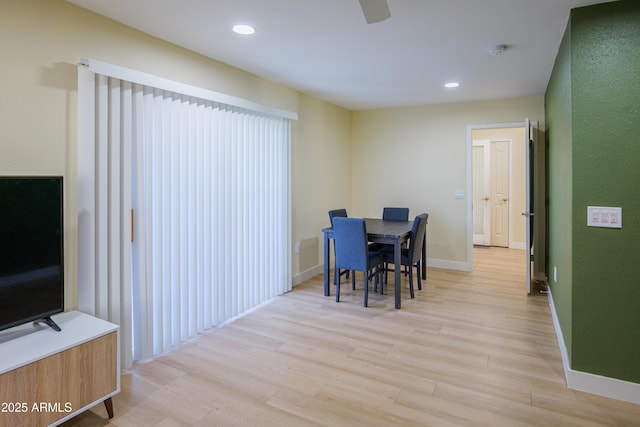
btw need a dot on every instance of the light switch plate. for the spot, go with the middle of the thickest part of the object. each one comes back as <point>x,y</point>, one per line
<point>604,216</point>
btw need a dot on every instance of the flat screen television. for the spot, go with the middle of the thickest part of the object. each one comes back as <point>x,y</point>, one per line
<point>31,250</point>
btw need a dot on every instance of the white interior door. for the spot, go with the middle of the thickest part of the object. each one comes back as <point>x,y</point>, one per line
<point>500,193</point>
<point>481,193</point>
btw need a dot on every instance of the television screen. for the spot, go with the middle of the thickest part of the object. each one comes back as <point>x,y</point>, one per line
<point>31,249</point>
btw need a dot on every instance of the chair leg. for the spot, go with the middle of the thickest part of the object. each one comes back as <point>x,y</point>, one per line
<point>337,274</point>
<point>386,273</point>
<point>419,276</point>
<point>371,273</point>
<point>353,280</point>
<point>366,289</point>
<point>338,289</point>
<point>411,282</point>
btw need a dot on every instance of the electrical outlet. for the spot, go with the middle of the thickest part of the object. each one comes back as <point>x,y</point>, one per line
<point>458,194</point>
<point>604,216</point>
<point>297,247</point>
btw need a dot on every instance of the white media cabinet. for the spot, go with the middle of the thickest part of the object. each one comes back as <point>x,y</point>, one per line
<point>48,377</point>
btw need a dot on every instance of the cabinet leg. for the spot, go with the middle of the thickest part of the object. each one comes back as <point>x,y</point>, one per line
<point>109,405</point>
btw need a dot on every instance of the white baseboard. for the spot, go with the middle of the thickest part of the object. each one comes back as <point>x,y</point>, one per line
<point>307,274</point>
<point>517,245</point>
<point>431,262</point>
<point>591,383</point>
<point>448,265</point>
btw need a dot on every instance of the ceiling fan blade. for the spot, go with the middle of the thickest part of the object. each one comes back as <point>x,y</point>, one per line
<point>375,10</point>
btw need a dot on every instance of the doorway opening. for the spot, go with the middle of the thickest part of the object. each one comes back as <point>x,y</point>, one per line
<point>498,196</point>
<point>511,138</point>
<point>493,198</point>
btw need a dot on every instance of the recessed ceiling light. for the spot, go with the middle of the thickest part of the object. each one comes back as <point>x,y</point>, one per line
<point>243,29</point>
<point>451,84</point>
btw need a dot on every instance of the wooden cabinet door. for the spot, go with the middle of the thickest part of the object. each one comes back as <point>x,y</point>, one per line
<point>49,389</point>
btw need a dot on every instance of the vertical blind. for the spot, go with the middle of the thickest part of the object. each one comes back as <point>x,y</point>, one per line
<point>208,185</point>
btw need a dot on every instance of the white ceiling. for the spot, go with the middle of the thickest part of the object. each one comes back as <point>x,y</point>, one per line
<point>326,49</point>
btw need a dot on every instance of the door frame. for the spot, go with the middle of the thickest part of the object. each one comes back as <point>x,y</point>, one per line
<point>470,129</point>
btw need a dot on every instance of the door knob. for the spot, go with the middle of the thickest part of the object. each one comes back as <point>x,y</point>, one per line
<point>504,200</point>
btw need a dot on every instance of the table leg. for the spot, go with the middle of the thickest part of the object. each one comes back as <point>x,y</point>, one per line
<point>397,267</point>
<point>327,267</point>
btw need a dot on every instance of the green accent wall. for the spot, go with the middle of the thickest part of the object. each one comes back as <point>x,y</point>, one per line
<point>592,109</point>
<point>558,133</point>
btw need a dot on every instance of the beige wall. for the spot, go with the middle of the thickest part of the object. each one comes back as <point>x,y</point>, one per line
<point>517,154</point>
<point>40,43</point>
<point>418,157</point>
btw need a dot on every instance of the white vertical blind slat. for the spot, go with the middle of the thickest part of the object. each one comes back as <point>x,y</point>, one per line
<point>161,317</point>
<point>112,216</point>
<point>102,136</point>
<point>142,320</point>
<point>86,190</point>
<point>122,311</point>
<point>207,244</point>
<point>149,331</point>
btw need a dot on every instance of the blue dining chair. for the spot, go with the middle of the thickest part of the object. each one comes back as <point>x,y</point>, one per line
<point>338,213</point>
<point>411,256</point>
<point>391,214</point>
<point>395,214</point>
<point>341,213</point>
<point>352,253</point>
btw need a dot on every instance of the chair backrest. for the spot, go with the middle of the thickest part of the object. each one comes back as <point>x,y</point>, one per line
<point>337,213</point>
<point>395,214</point>
<point>350,237</point>
<point>417,237</point>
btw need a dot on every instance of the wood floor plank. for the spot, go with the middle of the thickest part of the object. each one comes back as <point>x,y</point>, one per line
<point>471,349</point>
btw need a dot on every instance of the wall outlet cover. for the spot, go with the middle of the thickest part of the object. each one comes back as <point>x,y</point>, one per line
<point>604,216</point>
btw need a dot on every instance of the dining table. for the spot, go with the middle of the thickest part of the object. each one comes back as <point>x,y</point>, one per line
<point>380,231</point>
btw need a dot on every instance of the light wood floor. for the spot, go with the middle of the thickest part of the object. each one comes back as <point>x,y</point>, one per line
<point>472,349</point>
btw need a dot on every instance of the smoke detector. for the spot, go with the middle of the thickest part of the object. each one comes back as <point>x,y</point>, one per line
<point>498,49</point>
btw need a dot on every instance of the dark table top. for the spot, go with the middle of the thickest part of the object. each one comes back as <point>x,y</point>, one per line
<point>385,229</point>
